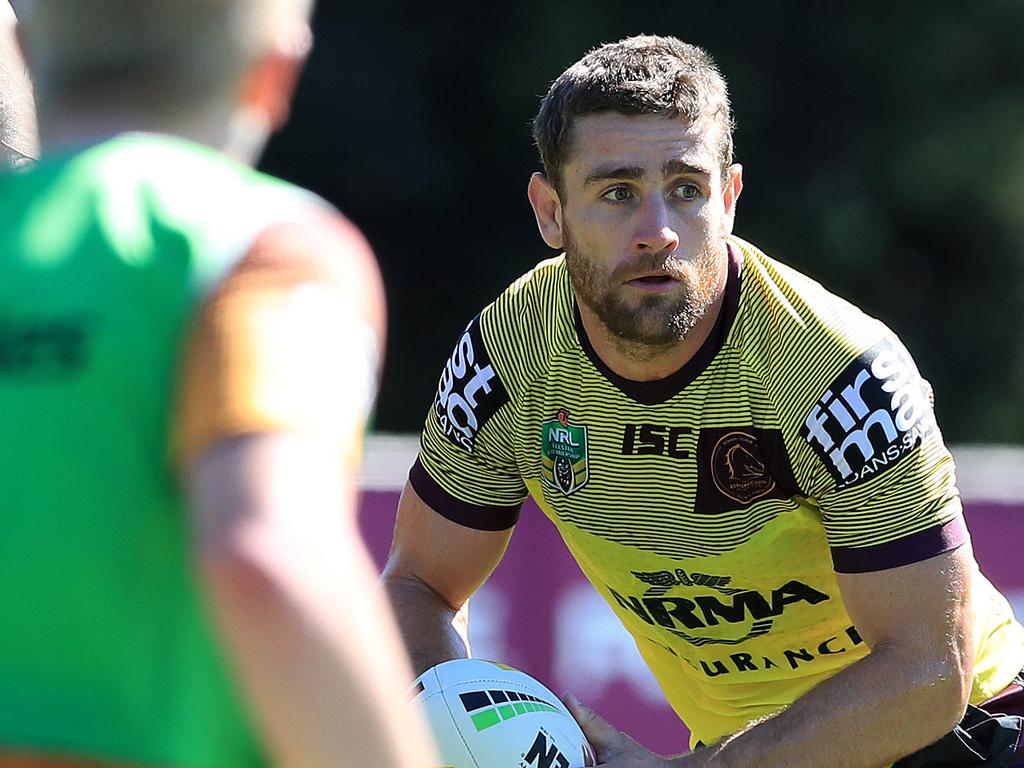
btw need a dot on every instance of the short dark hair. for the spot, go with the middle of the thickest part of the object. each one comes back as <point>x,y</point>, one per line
<point>641,75</point>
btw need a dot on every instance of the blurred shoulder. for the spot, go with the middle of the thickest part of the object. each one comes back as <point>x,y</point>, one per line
<point>316,246</point>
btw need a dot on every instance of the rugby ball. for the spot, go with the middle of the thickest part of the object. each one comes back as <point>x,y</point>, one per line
<point>488,715</point>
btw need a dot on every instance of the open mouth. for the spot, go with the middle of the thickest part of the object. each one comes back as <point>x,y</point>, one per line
<point>658,282</point>
<point>653,280</point>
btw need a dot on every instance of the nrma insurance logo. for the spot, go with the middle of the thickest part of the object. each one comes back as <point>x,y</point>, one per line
<point>564,454</point>
<point>875,413</point>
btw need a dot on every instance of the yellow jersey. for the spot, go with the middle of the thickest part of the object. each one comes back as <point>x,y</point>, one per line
<point>712,508</point>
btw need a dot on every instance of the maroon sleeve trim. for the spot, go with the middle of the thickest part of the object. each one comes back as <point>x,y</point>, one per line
<point>481,518</point>
<point>910,549</point>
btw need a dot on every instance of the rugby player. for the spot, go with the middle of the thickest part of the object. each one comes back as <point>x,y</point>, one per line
<point>188,351</point>
<point>745,466</point>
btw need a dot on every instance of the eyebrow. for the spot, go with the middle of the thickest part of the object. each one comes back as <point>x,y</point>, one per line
<point>633,172</point>
<point>608,172</point>
<point>679,168</point>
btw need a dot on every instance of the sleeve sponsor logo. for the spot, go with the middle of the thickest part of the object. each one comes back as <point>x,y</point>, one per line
<point>469,391</point>
<point>874,414</point>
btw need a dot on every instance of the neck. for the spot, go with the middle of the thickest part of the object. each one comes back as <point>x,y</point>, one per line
<point>645,362</point>
<point>219,127</point>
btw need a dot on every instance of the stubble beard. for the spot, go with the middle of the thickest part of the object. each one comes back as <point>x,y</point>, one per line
<point>647,325</point>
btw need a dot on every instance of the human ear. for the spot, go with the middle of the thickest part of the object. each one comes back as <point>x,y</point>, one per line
<point>19,135</point>
<point>547,208</point>
<point>269,84</point>
<point>733,185</point>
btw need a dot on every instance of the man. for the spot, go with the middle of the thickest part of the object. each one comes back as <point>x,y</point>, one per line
<point>18,140</point>
<point>746,467</point>
<point>183,579</point>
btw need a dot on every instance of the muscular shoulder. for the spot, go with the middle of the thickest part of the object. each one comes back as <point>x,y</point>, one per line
<point>794,333</point>
<point>842,383</point>
<point>529,324</point>
<point>316,246</point>
<point>499,356</point>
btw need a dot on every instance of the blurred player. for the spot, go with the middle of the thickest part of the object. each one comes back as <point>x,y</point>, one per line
<point>188,351</point>
<point>18,140</point>
<point>746,467</point>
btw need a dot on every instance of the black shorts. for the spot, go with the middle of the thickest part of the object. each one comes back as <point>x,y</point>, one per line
<point>990,736</point>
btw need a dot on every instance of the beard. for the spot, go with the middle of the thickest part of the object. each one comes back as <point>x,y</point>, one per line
<point>653,321</point>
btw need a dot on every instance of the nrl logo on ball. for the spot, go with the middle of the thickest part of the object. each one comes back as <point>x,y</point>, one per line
<point>564,453</point>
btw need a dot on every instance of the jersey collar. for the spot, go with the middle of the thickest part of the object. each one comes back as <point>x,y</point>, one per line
<point>662,390</point>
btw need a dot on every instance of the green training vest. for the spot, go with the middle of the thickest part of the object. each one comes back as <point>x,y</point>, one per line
<point>105,649</point>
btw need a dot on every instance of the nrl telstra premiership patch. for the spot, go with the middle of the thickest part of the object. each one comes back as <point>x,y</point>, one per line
<point>876,412</point>
<point>564,453</point>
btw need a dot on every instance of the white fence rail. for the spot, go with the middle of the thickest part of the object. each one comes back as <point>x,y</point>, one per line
<point>993,473</point>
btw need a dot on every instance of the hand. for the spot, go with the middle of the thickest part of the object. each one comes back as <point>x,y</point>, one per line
<point>614,748</point>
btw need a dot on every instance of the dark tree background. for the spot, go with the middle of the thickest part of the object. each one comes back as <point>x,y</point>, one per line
<point>883,146</point>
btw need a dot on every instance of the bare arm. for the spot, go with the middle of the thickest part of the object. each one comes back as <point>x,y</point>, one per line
<point>277,378</point>
<point>910,690</point>
<point>433,568</point>
<point>297,602</point>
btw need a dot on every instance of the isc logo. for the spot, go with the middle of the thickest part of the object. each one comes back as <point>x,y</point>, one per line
<point>543,756</point>
<point>654,440</point>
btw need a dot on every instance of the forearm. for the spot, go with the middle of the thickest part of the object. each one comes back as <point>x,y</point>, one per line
<point>875,711</point>
<point>432,630</point>
<point>325,673</point>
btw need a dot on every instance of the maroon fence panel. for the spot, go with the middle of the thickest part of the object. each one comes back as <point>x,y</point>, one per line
<point>538,613</point>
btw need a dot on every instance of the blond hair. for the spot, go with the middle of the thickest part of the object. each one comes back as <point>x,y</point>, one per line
<point>160,55</point>
<point>18,140</point>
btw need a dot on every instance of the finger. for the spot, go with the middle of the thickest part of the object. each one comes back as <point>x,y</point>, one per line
<point>601,734</point>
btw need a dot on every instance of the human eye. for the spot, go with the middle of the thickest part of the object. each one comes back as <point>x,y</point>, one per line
<point>687,191</point>
<point>617,195</point>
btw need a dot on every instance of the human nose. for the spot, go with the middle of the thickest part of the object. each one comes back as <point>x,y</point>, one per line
<point>654,230</point>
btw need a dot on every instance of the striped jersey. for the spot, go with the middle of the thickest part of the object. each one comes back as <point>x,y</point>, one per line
<point>712,508</point>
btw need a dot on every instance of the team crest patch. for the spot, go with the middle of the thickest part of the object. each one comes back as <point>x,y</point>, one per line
<point>564,453</point>
<point>741,465</point>
<point>738,468</point>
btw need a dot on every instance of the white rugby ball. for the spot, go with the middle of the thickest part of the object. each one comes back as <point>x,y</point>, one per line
<point>488,715</point>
